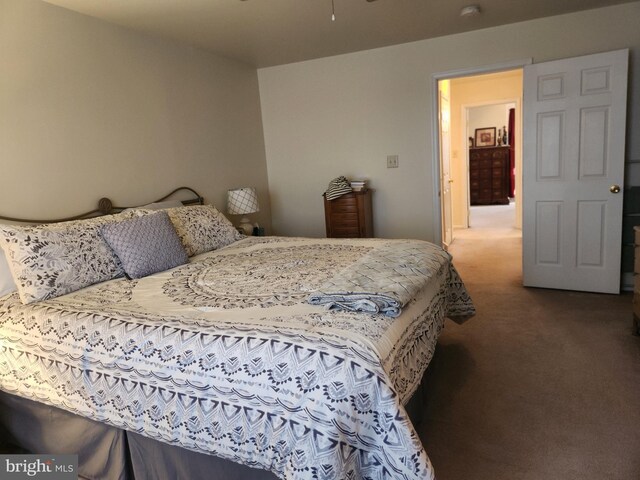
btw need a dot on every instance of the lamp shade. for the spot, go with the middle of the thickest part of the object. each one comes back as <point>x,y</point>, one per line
<point>242,201</point>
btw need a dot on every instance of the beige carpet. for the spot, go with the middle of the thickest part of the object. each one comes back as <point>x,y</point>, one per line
<point>541,384</point>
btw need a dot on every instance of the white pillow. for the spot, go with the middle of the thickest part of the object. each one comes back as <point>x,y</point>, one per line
<point>7,285</point>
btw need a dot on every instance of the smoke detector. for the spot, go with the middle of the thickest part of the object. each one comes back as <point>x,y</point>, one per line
<point>470,11</point>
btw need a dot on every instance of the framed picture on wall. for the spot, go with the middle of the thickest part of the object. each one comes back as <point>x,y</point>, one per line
<point>486,137</point>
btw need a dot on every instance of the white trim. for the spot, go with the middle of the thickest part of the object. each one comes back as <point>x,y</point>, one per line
<point>493,68</point>
<point>465,72</point>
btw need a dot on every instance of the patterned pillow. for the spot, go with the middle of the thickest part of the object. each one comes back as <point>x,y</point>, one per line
<point>202,228</point>
<point>51,260</point>
<point>145,245</point>
<point>7,285</point>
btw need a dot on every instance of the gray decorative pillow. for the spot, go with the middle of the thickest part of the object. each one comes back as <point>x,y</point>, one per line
<point>146,245</point>
<point>47,261</point>
<point>203,228</point>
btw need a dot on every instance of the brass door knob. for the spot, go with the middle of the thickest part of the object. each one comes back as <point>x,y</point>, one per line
<point>614,188</point>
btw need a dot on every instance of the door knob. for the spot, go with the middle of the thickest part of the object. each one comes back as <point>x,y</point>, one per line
<point>614,188</point>
<point>450,181</point>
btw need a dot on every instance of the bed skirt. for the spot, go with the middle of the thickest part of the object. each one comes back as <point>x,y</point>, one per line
<point>110,453</point>
<point>106,452</point>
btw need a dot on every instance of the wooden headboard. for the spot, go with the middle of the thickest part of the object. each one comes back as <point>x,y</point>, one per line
<point>106,207</point>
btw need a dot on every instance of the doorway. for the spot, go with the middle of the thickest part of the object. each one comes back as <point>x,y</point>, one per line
<point>575,140</point>
<point>481,102</point>
<point>498,207</point>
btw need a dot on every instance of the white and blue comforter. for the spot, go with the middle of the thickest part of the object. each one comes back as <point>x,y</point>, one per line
<point>225,356</point>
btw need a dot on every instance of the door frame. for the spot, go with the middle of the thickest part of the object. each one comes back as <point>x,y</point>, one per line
<point>443,185</point>
<point>435,124</point>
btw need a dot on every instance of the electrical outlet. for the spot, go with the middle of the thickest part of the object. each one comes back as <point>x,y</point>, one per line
<point>392,161</point>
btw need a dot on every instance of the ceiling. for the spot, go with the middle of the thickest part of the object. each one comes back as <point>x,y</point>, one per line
<point>274,32</point>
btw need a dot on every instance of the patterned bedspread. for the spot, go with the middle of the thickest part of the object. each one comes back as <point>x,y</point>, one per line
<point>386,279</point>
<point>225,356</point>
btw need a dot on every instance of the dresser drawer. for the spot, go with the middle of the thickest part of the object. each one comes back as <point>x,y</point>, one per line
<point>481,185</point>
<point>344,208</point>
<point>480,154</point>
<point>480,173</point>
<point>340,220</point>
<point>345,232</point>
<point>497,163</point>
<point>482,163</point>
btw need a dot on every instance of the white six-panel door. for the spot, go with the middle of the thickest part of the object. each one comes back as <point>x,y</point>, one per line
<point>573,171</point>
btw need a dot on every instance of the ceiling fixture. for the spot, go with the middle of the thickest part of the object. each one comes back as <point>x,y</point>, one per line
<point>470,11</point>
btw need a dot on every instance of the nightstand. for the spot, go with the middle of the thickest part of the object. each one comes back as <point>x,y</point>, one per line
<point>349,216</point>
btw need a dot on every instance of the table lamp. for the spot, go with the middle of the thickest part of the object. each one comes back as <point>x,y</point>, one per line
<point>243,201</point>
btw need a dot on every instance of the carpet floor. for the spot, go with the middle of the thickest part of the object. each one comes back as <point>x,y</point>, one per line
<point>541,384</point>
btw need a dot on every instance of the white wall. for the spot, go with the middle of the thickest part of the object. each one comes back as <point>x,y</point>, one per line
<point>345,114</point>
<point>89,109</point>
<point>487,116</point>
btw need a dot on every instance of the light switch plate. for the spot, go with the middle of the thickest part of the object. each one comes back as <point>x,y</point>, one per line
<point>392,161</point>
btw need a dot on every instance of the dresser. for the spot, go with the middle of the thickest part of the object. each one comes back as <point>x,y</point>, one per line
<point>349,216</point>
<point>489,178</point>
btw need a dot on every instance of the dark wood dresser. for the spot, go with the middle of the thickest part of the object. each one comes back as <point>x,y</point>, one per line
<point>349,216</point>
<point>489,175</point>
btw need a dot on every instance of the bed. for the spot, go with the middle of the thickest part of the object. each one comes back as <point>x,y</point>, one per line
<point>258,357</point>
